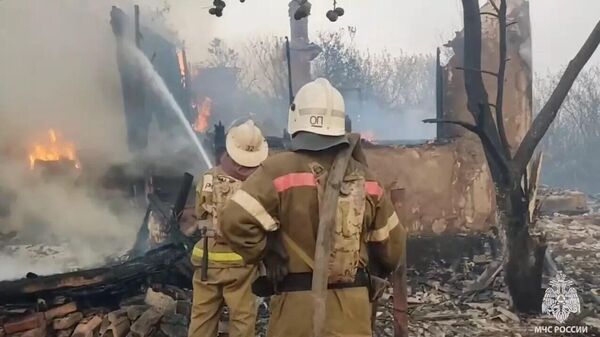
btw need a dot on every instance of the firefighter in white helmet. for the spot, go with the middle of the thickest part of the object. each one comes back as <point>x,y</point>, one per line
<point>229,277</point>
<point>274,218</point>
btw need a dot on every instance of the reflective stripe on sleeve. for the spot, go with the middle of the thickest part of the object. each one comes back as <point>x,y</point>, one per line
<point>216,257</point>
<point>288,181</point>
<point>383,233</point>
<point>373,188</point>
<point>253,206</point>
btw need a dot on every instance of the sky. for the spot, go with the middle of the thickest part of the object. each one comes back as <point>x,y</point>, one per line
<point>559,26</point>
<point>65,48</point>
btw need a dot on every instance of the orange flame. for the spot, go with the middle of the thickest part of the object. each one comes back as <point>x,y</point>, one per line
<point>201,123</point>
<point>368,136</point>
<point>181,63</point>
<point>53,151</point>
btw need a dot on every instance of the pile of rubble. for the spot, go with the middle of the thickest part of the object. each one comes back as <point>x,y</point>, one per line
<point>465,297</point>
<point>558,201</point>
<point>574,244</point>
<point>446,299</point>
<point>154,315</point>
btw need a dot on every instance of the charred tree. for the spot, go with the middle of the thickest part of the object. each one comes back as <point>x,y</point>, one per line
<point>511,173</point>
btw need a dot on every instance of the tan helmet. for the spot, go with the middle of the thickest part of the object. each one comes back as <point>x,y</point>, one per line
<point>318,108</point>
<point>246,145</point>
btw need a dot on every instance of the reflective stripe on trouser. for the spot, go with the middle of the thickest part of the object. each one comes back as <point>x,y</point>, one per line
<point>231,286</point>
<point>348,314</point>
<point>198,253</point>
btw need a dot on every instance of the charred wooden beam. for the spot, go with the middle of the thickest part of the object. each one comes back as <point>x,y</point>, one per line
<point>219,142</point>
<point>126,278</point>
<point>170,215</point>
<point>132,85</point>
<point>400,312</point>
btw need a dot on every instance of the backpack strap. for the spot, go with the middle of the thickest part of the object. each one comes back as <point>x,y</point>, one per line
<point>299,251</point>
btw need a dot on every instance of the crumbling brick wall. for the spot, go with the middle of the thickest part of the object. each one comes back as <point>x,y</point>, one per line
<point>517,102</point>
<point>448,188</point>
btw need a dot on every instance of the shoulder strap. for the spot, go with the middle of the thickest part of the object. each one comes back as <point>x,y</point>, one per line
<point>299,251</point>
<point>327,215</point>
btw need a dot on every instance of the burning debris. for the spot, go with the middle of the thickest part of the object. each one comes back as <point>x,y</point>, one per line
<point>204,111</point>
<point>145,293</point>
<point>54,150</point>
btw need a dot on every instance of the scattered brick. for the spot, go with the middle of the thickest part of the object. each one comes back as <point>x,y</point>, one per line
<point>61,311</point>
<point>144,325</point>
<point>89,328</point>
<point>26,323</point>
<point>68,321</point>
<point>65,333</point>
<point>173,330</point>
<point>37,332</point>
<point>116,315</point>
<point>120,328</point>
<point>135,311</point>
<point>175,319</point>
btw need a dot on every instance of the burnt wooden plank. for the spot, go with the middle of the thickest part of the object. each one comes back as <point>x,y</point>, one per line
<point>111,279</point>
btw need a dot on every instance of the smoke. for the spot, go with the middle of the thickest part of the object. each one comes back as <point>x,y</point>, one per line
<point>59,70</point>
<point>158,87</point>
<point>58,212</point>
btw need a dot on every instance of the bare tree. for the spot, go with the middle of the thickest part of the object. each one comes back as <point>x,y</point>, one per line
<point>524,260</point>
<point>221,55</point>
<point>264,69</point>
<point>394,82</point>
<point>575,133</point>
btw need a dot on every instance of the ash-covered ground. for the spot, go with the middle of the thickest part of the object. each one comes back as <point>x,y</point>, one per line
<point>440,304</point>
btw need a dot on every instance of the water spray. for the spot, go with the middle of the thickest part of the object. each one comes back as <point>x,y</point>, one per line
<point>158,86</point>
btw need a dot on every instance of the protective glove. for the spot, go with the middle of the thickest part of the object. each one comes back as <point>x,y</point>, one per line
<point>276,259</point>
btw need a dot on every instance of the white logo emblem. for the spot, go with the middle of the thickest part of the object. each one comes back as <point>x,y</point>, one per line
<point>560,300</point>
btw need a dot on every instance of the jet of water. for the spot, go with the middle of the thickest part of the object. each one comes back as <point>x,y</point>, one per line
<point>157,84</point>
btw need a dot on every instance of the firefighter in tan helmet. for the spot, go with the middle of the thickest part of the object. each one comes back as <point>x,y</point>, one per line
<point>274,218</point>
<point>229,277</point>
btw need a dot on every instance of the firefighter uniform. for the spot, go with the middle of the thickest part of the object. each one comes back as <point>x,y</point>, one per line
<point>283,195</point>
<point>229,277</point>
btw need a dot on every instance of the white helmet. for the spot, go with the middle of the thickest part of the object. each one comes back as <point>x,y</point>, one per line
<point>317,118</point>
<point>246,145</point>
<point>318,108</point>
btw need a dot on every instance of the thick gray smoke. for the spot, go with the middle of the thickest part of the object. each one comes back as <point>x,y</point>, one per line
<point>59,70</point>
<point>85,226</point>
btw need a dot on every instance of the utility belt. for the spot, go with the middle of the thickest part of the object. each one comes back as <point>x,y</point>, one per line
<point>263,287</point>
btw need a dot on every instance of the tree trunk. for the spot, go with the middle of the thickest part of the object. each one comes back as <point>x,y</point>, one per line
<point>524,255</point>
